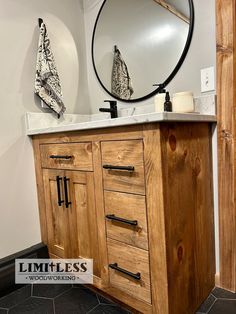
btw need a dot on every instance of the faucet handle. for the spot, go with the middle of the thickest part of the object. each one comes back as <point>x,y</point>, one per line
<point>112,109</point>
<point>113,103</point>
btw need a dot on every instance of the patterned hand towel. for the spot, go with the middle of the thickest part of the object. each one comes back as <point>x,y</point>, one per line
<point>47,82</point>
<point>121,82</point>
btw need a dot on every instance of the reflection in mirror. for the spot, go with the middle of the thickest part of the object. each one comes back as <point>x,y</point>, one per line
<point>139,43</point>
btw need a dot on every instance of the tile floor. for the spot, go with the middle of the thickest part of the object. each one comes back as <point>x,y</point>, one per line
<point>65,299</point>
<point>57,299</point>
<point>219,302</point>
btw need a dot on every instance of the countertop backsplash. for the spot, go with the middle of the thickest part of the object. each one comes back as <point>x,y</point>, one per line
<point>203,105</point>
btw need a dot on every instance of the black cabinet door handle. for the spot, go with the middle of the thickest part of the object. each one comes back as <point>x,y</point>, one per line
<point>125,168</point>
<point>60,201</point>
<point>60,157</point>
<point>122,220</point>
<point>115,266</point>
<point>66,192</point>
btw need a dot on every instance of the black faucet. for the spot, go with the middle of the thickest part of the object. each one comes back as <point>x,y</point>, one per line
<point>161,88</point>
<point>112,109</point>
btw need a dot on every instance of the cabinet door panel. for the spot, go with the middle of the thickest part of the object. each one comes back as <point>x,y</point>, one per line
<point>82,217</point>
<point>57,222</point>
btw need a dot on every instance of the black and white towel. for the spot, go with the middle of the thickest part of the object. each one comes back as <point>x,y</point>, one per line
<point>47,82</point>
<point>121,81</point>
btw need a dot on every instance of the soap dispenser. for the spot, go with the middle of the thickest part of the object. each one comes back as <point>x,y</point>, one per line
<point>159,99</point>
<point>167,103</point>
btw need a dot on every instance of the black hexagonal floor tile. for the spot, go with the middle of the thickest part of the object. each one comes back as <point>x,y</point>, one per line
<point>15,297</point>
<point>108,309</point>
<point>223,307</point>
<point>50,291</point>
<point>104,300</point>
<point>2,311</point>
<point>76,300</point>
<point>206,305</point>
<point>223,294</point>
<point>33,305</point>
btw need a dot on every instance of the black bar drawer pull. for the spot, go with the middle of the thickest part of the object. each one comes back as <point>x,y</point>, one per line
<point>125,221</point>
<point>124,271</point>
<point>126,168</point>
<point>66,192</point>
<point>60,201</point>
<point>60,157</point>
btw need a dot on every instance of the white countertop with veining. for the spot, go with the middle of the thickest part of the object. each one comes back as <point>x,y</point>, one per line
<point>42,123</point>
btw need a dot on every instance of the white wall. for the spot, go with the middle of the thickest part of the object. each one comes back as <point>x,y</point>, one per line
<point>19,221</point>
<point>202,52</point>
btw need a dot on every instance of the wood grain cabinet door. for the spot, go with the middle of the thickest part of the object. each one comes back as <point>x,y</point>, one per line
<point>56,215</point>
<point>82,217</point>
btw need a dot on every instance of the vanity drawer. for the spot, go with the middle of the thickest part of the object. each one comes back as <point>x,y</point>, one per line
<point>123,167</point>
<point>76,156</point>
<point>126,218</point>
<point>129,270</point>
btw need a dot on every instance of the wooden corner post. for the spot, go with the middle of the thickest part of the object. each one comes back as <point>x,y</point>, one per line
<point>226,91</point>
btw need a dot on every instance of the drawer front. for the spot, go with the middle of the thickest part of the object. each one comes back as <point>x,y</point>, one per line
<point>72,156</point>
<point>126,218</point>
<point>131,262</point>
<point>125,154</point>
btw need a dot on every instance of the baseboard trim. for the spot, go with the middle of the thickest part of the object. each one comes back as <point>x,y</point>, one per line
<point>7,266</point>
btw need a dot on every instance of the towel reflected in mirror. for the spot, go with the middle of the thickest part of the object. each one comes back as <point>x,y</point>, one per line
<point>121,86</point>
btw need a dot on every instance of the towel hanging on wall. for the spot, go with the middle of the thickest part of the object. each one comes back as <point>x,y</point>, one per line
<point>47,82</point>
<point>121,81</point>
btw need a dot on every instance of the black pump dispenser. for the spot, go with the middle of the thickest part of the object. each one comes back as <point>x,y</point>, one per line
<point>168,103</point>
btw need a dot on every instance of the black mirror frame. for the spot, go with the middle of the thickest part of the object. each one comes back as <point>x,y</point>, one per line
<point>171,76</point>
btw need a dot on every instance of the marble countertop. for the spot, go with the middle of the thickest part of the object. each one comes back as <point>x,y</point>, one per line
<point>85,122</point>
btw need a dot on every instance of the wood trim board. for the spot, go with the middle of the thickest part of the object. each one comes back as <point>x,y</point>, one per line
<point>226,92</point>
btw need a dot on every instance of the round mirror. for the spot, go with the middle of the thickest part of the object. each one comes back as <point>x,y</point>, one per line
<point>140,43</point>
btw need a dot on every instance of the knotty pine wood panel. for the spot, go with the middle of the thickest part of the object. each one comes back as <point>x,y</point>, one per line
<point>83,218</point>
<point>130,207</point>
<point>96,135</point>
<point>188,199</point>
<point>56,216</point>
<point>226,102</point>
<point>81,156</point>
<point>156,218</point>
<point>134,260</point>
<point>40,191</point>
<point>124,153</point>
<point>100,212</point>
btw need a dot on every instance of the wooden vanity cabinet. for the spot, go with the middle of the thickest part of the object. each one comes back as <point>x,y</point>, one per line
<point>138,200</point>
<point>70,201</point>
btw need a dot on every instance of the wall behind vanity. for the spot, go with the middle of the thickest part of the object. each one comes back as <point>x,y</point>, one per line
<point>202,52</point>
<point>70,25</point>
<point>19,222</point>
